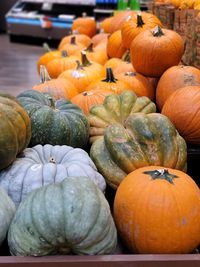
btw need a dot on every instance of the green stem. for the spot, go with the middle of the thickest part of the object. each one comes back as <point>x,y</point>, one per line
<point>162,174</point>
<point>157,32</point>
<point>84,59</point>
<point>44,75</point>
<point>109,76</point>
<point>140,21</point>
<point>46,47</point>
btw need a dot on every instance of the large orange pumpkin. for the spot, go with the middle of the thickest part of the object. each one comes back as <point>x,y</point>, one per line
<point>136,24</point>
<point>87,99</point>
<point>85,25</point>
<point>115,47</point>
<point>58,88</point>
<point>154,51</point>
<point>157,210</point>
<point>183,109</point>
<point>175,78</point>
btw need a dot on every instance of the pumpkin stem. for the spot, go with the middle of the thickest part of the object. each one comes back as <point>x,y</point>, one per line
<point>140,21</point>
<point>109,76</point>
<point>44,75</point>
<point>84,59</point>
<point>130,73</point>
<point>79,66</point>
<point>64,53</point>
<point>52,102</point>
<point>126,56</point>
<point>162,174</point>
<point>157,32</point>
<point>90,48</point>
<point>73,40</point>
<point>46,47</point>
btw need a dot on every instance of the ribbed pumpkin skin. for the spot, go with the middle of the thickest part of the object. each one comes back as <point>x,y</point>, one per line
<point>85,25</point>
<point>116,109</point>
<point>7,211</point>
<point>43,165</point>
<point>77,220</point>
<point>54,122</point>
<point>183,109</point>
<point>155,216</point>
<point>115,47</point>
<point>15,129</point>
<point>175,78</point>
<point>144,140</point>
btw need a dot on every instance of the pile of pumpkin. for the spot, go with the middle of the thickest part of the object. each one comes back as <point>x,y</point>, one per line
<point>56,200</point>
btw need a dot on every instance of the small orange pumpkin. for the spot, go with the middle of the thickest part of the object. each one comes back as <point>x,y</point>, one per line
<point>113,63</point>
<point>58,88</point>
<point>85,25</point>
<point>157,211</point>
<point>73,46</point>
<point>80,38</point>
<point>115,47</point>
<point>167,45</point>
<point>105,25</point>
<point>99,38</point>
<point>119,19</point>
<point>87,99</point>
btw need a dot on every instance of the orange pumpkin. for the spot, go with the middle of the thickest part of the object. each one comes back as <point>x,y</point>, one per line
<point>118,20</point>
<point>80,38</point>
<point>157,211</point>
<point>105,25</point>
<point>113,63</point>
<point>87,99</point>
<point>115,47</point>
<point>124,66</point>
<point>58,88</point>
<point>138,83</point>
<point>136,24</point>
<point>85,25</point>
<point>99,38</point>
<point>84,74</point>
<point>110,83</point>
<point>47,56</point>
<point>167,45</point>
<point>73,46</point>
<point>175,78</point>
<point>56,66</point>
<point>182,107</point>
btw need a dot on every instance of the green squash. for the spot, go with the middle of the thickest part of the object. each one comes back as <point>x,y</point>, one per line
<point>15,129</point>
<point>69,217</point>
<point>7,211</point>
<point>116,109</point>
<point>43,165</point>
<point>54,122</point>
<point>144,140</point>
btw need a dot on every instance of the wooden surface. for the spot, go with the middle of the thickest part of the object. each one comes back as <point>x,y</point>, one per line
<point>17,66</point>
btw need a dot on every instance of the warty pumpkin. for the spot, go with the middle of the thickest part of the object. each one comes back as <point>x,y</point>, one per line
<point>167,45</point>
<point>157,211</point>
<point>116,109</point>
<point>77,220</point>
<point>54,122</point>
<point>57,88</point>
<point>15,129</point>
<point>87,99</point>
<point>136,24</point>
<point>42,165</point>
<point>115,47</point>
<point>175,78</point>
<point>182,107</point>
<point>143,140</point>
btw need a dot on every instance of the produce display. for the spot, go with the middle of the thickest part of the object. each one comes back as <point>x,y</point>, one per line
<point>94,158</point>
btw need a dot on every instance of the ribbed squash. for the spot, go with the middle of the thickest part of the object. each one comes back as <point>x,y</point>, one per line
<point>69,217</point>
<point>43,165</point>
<point>15,129</point>
<point>116,109</point>
<point>7,211</point>
<point>54,122</point>
<point>143,140</point>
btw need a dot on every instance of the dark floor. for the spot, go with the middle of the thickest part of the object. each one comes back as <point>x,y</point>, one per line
<point>18,63</point>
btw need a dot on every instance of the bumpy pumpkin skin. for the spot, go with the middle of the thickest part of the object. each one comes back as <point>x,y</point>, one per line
<point>144,140</point>
<point>156,216</point>
<point>15,129</point>
<point>78,221</point>
<point>7,211</point>
<point>54,122</point>
<point>42,165</point>
<point>116,109</point>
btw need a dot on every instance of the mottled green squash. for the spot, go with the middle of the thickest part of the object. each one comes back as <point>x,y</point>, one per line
<point>43,165</point>
<point>15,129</point>
<point>116,109</point>
<point>54,122</point>
<point>7,211</point>
<point>144,140</point>
<point>69,217</point>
